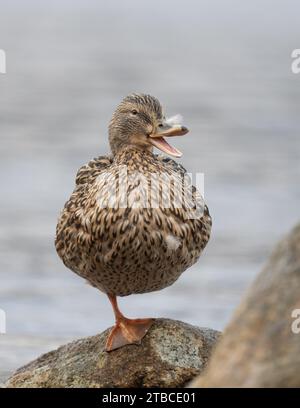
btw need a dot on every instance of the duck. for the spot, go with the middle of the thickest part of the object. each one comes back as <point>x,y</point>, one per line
<point>129,227</point>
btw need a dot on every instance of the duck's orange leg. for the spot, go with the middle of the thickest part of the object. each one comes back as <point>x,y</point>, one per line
<point>125,331</point>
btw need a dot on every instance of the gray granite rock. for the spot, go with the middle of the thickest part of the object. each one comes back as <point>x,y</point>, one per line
<point>261,345</point>
<point>171,354</point>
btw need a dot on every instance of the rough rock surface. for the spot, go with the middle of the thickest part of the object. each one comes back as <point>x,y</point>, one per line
<point>261,345</point>
<point>171,354</point>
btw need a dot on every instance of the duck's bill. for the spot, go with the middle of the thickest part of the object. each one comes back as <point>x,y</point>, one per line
<point>160,143</point>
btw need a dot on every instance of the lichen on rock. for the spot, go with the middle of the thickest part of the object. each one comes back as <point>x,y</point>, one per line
<point>170,355</point>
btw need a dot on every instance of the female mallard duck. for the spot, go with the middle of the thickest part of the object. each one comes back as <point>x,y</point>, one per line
<point>111,231</point>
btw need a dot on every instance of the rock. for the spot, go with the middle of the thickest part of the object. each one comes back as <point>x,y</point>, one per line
<point>260,347</point>
<point>171,354</point>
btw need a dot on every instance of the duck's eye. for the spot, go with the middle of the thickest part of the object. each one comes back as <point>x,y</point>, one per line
<point>160,125</point>
<point>134,112</point>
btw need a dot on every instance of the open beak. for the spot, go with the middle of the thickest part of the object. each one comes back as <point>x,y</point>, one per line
<point>157,138</point>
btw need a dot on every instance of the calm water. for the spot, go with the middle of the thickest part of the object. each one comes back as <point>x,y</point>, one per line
<point>225,68</point>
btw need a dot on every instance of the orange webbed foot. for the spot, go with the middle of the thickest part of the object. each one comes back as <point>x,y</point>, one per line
<point>127,331</point>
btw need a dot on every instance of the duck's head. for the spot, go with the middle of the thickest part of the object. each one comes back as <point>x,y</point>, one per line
<point>139,122</point>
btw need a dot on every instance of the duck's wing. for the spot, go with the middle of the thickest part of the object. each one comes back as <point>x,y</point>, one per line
<point>175,166</point>
<point>167,161</point>
<point>88,172</point>
<point>73,231</point>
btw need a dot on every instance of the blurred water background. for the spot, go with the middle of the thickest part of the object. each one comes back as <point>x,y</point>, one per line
<point>224,65</point>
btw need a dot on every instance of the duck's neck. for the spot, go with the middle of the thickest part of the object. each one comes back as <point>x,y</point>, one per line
<point>132,153</point>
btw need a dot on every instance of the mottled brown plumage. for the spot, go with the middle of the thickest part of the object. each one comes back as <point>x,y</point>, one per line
<point>126,248</point>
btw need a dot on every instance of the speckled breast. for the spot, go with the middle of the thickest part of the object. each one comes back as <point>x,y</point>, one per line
<point>111,234</point>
